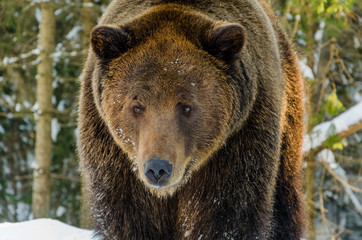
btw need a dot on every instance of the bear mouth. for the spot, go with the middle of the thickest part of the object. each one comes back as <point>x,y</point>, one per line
<point>165,190</point>
<point>163,185</point>
<point>168,188</point>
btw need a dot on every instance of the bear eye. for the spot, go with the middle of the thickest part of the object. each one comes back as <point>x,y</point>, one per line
<point>137,110</point>
<point>186,110</point>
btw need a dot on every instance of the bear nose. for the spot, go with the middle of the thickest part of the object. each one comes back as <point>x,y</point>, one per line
<point>157,171</point>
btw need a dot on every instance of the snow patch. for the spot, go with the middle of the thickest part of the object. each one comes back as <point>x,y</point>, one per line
<point>306,71</point>
<point>74,32</point>
<point>42,229</point>
<point>60,211</point>
<point>23,211</point>
<point>2,130</point>
<point>319,35</point>
<point>55,129</point>
<point>327,156</point>
<point>34,165</point>
<point>356,42</point>
<point>58,12</point>
<point>88,4</point>
<point>61,105</point>
<point>38,15</point>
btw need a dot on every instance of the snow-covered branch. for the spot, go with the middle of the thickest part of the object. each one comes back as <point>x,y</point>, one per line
<point>343,125</point>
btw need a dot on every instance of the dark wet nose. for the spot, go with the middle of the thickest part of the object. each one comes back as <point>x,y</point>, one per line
<point>157,171</point>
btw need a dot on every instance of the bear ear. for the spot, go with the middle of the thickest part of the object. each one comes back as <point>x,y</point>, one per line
<point>109,42</point>
<point>224,41</point>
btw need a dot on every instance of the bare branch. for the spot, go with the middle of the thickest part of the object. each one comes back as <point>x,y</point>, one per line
<point>339,179</point>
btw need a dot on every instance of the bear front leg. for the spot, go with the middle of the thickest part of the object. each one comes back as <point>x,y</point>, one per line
<point>212,215</point>
<point>231,197</point>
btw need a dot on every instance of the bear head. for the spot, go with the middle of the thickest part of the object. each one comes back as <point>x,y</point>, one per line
<point>161,87</point>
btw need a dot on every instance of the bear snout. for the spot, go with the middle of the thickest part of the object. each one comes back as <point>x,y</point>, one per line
<point>157,171</point>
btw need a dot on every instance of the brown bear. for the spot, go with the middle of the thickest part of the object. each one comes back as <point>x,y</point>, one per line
<point>191,121</point>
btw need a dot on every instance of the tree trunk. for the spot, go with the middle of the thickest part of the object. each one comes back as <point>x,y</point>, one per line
<point>43,144</point>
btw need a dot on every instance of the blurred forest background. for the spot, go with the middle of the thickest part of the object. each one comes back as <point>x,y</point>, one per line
<point>43,45</point>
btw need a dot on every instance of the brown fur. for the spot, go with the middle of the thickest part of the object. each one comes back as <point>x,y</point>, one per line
<point>236,156</point>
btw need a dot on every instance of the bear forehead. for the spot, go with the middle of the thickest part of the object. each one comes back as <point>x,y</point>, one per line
<point>151,89</point>
<point>176,67</point>
<point>155,90</point>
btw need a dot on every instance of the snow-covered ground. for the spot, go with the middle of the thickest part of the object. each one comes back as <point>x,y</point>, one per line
<point>42,229</point>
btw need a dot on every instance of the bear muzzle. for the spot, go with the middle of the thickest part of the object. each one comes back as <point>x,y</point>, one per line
<point>157,171</point>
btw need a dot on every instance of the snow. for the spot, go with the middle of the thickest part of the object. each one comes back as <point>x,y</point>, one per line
<point>61,211</point>
<point>328,157</point>
<point>11,60</point>
<point>34,165</point>
<point>48,229</point>
<point>289,16</point>
<point>187,233</point>
<point>38,15</point>
<point>319,35</point>
<point>88,4</point>
<point>61,105</point>
<point>23,210</point>
<point>73,33</point>
<point>17,107</point>
<point>58,11</point>
<point>55,129</point>
<point>307,71</point>
<point>2,130</point>
<point>42,229</point>
<point>323,131</point>
<point>356,42</point>
<point>35,52</point>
